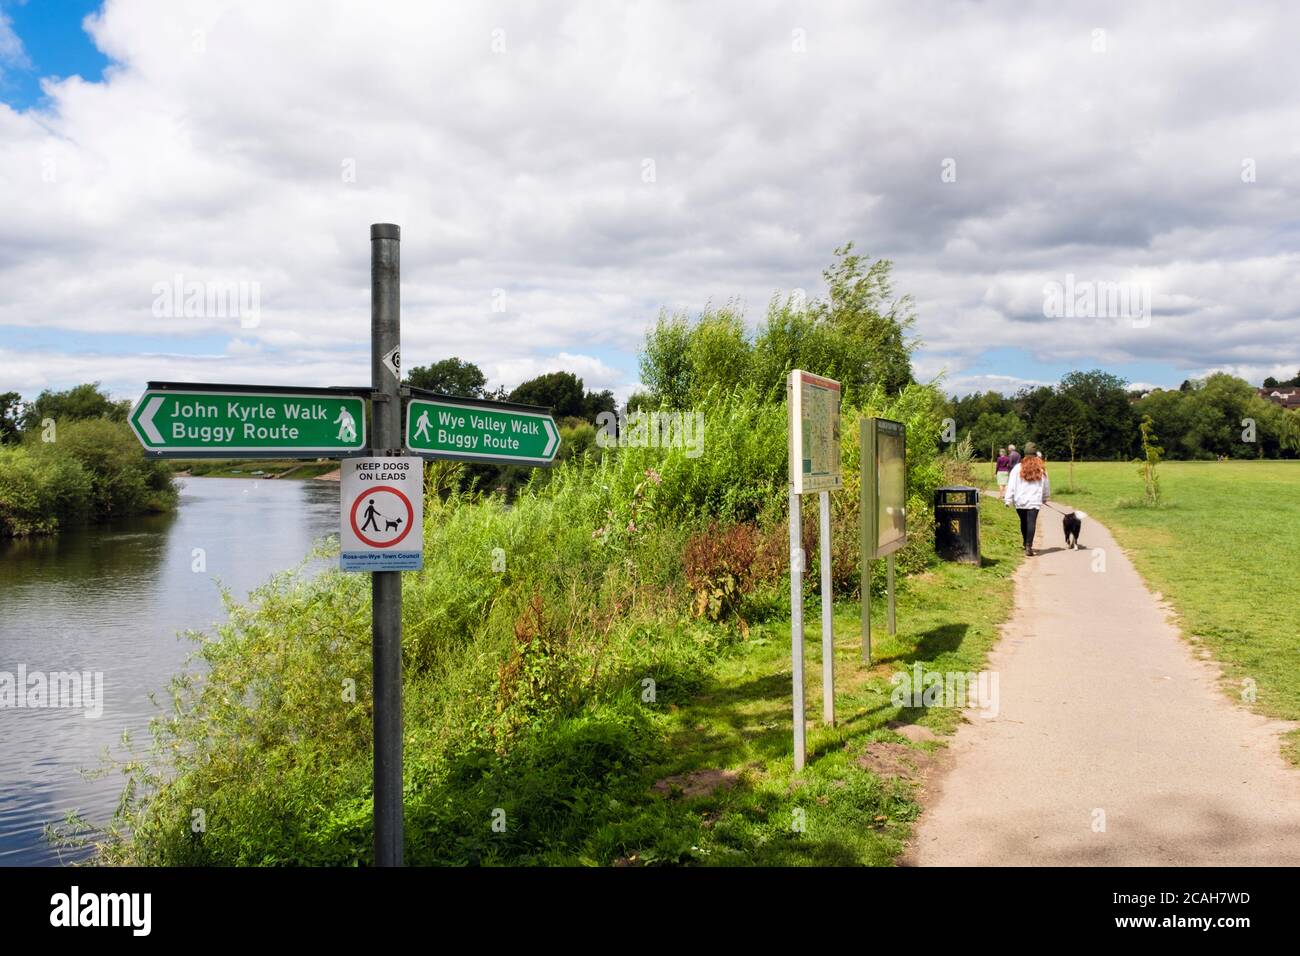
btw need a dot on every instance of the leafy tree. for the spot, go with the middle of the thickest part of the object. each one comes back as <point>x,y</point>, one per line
<point>1110,417</point>
<point>75,404</point>
<point>984,417</point>
<point>638,400</point>
<point>1289,433</point>
<point>1170,411</point>
<point>123,480</point>
<point>1216,406</point>
<point>11,410</point>
<point>666,363</point>
<point>1149,461</point>
<point>595,403</point>
<point>562,392</point>
<point>718,353</point>
<point>857,335</point>
<point>861,307</point>
<point>791,338</point>
<point>1030,400</point>
<point>994,430</point>
<point>1270,382</point>
<point>1063,427</point>
<point>451,376</point>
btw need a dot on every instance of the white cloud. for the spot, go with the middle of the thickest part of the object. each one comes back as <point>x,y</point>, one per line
<point>12,53</point>
<point>257,142</point>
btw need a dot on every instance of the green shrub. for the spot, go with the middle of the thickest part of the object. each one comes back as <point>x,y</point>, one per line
<point>123,480</point>
<point>40,490</point>
<point>723,566</point>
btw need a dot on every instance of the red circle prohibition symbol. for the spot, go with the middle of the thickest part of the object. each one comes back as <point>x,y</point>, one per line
<point>382,489</point>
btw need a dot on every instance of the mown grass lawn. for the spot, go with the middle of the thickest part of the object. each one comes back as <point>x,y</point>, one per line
<point>836,811</point>
<point>1221,548</point>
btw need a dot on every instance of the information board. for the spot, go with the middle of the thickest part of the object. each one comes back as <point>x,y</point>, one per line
<point>884,487</point>
<point>813,407</point>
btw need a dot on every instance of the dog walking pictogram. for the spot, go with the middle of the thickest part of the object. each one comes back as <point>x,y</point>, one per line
<point>371,513</point>
<point>381,516</point>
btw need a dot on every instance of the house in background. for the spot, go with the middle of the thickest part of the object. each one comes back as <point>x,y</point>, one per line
<point>1288,396</point>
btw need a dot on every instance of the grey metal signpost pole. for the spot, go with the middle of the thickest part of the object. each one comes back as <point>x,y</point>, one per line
<point>386,586</point>
<point>828,628</point>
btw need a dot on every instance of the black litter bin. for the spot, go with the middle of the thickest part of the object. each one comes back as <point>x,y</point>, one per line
<point>957,524</point>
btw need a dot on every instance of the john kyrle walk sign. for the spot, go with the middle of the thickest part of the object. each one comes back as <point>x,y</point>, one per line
<point>466,430</point>
<point>230,421</point>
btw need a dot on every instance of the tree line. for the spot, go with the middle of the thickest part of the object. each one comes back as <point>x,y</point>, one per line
<point>69,456</point>
<point>1095,415</point>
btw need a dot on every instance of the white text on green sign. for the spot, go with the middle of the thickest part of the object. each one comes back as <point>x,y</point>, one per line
<point>445,429</point>
<point>249,423</point>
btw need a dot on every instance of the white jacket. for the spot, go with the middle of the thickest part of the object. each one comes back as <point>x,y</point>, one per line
<point>1027,494</point>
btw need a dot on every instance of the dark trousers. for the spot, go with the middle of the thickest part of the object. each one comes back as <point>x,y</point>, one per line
<point>1028,525</point>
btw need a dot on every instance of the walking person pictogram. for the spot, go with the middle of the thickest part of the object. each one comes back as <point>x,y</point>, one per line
<point>371,513</point>
<point>347,426</point>
<point>422,426</point>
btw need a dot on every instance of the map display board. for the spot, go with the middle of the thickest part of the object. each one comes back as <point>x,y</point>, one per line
<point>813,406</point>
<point>884,487</point>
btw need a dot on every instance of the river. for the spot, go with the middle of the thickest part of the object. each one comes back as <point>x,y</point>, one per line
<point>114,599</point>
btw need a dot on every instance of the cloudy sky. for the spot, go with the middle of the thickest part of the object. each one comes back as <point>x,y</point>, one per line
<point>563,171</point>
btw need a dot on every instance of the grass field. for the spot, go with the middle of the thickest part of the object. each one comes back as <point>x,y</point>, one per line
<point>1222,549</point>
<point>947,619</point>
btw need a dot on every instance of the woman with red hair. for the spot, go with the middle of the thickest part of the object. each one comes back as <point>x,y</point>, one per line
<point>1028,489</point>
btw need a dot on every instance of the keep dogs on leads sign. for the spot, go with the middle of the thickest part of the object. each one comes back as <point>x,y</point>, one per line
<point>381,524</point>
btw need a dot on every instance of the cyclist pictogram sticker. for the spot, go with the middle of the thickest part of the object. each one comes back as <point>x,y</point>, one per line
<point>382,514</point>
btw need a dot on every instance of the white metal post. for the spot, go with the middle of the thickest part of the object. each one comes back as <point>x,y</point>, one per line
<point>796,625</point>
<point>828,632</point>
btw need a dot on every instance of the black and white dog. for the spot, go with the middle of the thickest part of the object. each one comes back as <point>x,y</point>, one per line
<point>1072,525</point>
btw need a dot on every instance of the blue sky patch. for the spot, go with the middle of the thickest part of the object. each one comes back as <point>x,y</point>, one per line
<point>55,45</point>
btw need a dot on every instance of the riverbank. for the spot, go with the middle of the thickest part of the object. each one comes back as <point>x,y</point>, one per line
<point>88,471</point>
<point>551,649</point>
<point>652,738</point>
<point>268,468</point>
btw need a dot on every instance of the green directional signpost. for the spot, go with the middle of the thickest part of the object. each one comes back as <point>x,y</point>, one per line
<point>463,429</point>
<point>174,420</point>
<point>187,420</point>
